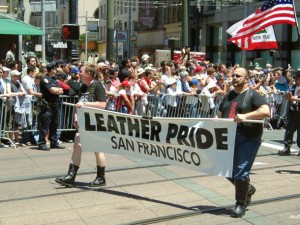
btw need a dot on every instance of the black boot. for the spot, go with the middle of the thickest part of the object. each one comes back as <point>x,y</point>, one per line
<point>285,151</point>
<point>241,190</point>
<point>68,180</point>
<point>251,191</point>
<point>100,179</point>
<point>239,210</point>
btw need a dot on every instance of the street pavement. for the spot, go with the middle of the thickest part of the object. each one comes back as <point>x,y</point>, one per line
<point>143,192</point>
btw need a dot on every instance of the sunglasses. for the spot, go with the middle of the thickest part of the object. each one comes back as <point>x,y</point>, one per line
<point>236,75</point>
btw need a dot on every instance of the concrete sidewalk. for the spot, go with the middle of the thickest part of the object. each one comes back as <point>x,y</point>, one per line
<point>140,192</point>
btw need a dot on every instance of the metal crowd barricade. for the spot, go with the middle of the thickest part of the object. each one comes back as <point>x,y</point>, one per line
<point>278,109</point>
<point>29,122</point>
<point>67,113</point>
<point>181,106</point>
<point>3,116</point>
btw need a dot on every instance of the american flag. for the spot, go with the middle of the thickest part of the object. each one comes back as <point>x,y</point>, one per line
<point>272,12</point>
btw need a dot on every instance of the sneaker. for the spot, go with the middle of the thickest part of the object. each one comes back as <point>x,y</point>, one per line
<point>3,145</point>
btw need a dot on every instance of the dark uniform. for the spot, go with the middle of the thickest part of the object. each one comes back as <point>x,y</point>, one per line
<point>293,122</point>
<point>49,116</point>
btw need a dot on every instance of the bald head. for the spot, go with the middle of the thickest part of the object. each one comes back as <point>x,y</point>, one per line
<point>242,71</point>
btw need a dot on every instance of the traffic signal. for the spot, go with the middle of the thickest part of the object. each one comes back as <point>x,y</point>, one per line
<point>70,32</point>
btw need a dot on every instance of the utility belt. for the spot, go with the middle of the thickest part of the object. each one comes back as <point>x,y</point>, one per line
<point>43,105</point>
<point>53,104</point>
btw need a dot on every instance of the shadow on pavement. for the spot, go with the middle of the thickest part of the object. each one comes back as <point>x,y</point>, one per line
<point>287,171</point>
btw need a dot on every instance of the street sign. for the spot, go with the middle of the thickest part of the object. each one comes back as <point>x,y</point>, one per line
<point>122,36</point>
<point>92,25</point>
<point>92,36</point>
<point>60,45</point>
<point>38,47</point>
<point>120,49</point>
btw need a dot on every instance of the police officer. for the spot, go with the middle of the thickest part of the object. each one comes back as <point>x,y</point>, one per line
<point>293,117</point>
<point>49,115</point>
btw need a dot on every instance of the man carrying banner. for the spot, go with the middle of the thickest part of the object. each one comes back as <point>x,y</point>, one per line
<point>92,94</point>
<point>243,104</point>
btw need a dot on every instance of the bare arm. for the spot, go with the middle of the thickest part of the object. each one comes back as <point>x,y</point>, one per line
<point>32,92</point>
<point>261,113</point>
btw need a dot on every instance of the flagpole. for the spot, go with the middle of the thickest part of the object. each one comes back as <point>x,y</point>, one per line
<point>296,19</point>
<point>244,52</point>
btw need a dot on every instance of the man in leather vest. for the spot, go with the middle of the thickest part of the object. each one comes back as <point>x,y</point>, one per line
<point>241,104</point>
<point>92,94</point>
<point>293,117</point>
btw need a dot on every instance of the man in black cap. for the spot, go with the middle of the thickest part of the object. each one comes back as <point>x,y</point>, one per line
<point>49,115</point>
<point>293,117</point>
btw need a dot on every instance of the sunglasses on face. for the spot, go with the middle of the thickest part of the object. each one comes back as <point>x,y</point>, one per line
<point>236,75</point>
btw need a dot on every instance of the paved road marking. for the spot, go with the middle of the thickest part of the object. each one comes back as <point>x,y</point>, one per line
<point>278,147</point>
<point>295,217</point>
<point>259,163</point>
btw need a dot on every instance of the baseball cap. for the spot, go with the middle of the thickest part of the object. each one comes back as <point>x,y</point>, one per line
<point>140,71</point>
<point>145,57</point>
<point>211,85</point>
<point>6,69</point>
<point>102,64</point>
<point>60,61</point>
<point>171,81</point>
<point>15,73</point>
<point>63,76</point>
<point>198,69</point>
<point>194,82</point>
<point>51,66</point>
<point>126,83</point>
<point>75,70</point>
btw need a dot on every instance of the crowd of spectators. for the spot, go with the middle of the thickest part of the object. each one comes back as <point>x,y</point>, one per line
<point>129,84</point>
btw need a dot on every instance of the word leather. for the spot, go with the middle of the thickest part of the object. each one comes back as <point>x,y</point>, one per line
<point>148,129</point>
<point>202,144</point>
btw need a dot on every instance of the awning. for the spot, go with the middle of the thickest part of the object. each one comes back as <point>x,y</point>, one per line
<point>17,27</point>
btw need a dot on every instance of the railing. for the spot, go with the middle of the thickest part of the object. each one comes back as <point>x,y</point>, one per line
<point>181,106</point>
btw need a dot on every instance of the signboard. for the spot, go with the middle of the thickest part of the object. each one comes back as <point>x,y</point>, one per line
<point>49,6</point>
<point>205,145</point>
<point>122,36</point>
<point>120,49</point>
<point>92,36</point>
<point>38,48</point>
<point>92,25</point>
<point>60,45</point>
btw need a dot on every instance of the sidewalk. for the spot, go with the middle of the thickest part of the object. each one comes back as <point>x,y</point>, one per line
<point>140,192</point>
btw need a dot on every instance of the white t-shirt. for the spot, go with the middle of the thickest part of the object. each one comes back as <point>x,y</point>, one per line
<point>10,56</point>
<point>27,83</point>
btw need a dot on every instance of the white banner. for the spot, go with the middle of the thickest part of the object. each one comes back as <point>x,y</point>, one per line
<point>205,145</point>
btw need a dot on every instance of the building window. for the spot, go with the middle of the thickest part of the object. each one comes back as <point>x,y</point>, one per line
<point>217,36</point>
<point>125,7</point>
<point>295,59</point>
<point>122,7</point>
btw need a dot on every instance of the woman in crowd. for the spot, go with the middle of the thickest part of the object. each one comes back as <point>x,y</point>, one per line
<point>16,90</point>
<point>171,101</point>
<point>125,100</point>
